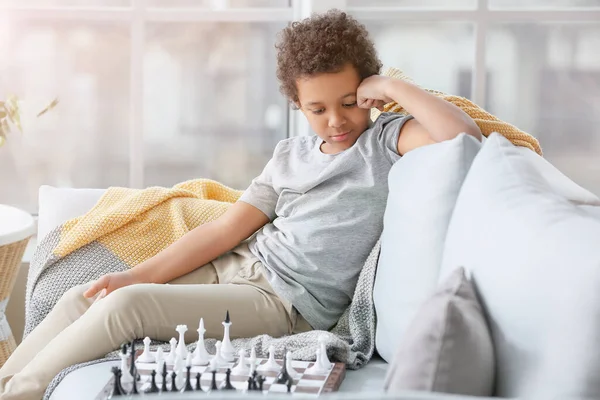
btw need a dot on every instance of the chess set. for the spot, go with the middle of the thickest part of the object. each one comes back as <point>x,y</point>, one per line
<point>147,373</point>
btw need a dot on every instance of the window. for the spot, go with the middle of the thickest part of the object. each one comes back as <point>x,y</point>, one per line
<point>533,63</point>
<point>152,92</point>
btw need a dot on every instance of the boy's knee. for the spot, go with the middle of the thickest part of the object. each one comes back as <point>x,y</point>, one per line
<point>123,308</point>
<point>74,294</point>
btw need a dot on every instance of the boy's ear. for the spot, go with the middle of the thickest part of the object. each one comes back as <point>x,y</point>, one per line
<point>296,105</point>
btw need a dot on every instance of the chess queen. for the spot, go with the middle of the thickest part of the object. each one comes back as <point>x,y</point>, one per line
<point>286,256</point>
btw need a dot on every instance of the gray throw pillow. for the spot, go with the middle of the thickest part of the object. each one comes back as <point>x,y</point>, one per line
<point>448,347</point>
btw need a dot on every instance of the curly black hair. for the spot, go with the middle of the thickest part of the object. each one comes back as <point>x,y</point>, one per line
<point>323,43</point>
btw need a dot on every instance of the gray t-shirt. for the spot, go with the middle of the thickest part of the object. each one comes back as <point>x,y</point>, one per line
<point>326,215</point>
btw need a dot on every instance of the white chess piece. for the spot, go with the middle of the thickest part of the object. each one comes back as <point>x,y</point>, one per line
<point>325,363</point>
<point>253,361</point>
<point>201,356</point>
<point>219,360</point>
<point>159,363</point>
<point>271,364</point>
<point>170,359</point>
<point>227,350</point>
<point>241,368</point>
<point>146,356</point>
<point>181,349</point>
<point>126,375</point>
<point>213,365</point>
<point>317,367</point>
<point>179,363</point>
<point>288,365</point>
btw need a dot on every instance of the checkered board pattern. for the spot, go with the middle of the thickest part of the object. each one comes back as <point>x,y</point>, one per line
<point>305,385</point>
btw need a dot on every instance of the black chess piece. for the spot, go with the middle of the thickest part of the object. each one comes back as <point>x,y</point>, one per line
<point>173,384</point>
<point>198,385</point>
<point>283,376</point>
<point>117,389</point>
<point>134,389</point>
<point>250,383</point>
<point>188,385</point>
<point>290,382</point>
<point>132,361</point>
<point>164,378</point>
<point>213,383</point>
<point>261,380</point>
<point>228,385</point>
<point>153,387</point>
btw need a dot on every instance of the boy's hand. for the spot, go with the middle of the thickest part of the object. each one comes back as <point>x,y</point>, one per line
<point>371,92</point>
<point>109,283</point>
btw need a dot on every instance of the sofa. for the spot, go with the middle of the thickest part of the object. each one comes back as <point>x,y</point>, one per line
<point>527,234</point>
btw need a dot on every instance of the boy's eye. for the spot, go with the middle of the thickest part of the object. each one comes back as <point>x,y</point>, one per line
<point>319,111</point>
<point>350,105</point>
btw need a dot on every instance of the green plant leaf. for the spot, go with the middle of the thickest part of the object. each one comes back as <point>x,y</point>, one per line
<point>48,107</point>
<point>4,126</point>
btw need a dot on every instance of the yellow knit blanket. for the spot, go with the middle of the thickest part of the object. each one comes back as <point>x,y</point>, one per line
<point>487,122</point>
<point>135,224</point>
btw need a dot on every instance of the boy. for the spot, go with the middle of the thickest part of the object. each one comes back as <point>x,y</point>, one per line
<point>317,211</point>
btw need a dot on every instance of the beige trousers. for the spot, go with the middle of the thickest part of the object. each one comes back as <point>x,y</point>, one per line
<point>79,330</point>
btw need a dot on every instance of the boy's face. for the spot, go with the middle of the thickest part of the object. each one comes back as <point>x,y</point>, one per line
<point>328,101</point>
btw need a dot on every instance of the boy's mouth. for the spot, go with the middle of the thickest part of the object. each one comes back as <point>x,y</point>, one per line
<point>341,137</point>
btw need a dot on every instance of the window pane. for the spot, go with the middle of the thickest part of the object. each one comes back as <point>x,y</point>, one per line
<point>212,104</point>
<point>83,142</point>
<point>545,4</point>
<point>545,79</point>
<point>219,4</point>
<point>66,3</point>
<point>446,4</point>
<point>437,55</point>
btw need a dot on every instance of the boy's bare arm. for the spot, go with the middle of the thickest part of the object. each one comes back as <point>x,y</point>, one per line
<point>435,120</point>
<point>201,245</point>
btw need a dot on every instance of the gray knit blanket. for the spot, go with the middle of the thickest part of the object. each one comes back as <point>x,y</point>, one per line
<point>351,341</point>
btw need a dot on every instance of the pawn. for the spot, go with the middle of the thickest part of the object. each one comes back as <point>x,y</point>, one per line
<point>250,384</point>
<point>146,356</point>
<point>173,383</point>
<point>253,361</point>
<point>153,387</point>
<point>219,360</point>
<point>241,368</point>
<point>271,364</point>
<point>228,385</point>
<point>289,385</point>
<point>213,382</point>
<point>188,385</point>
<point>117,388</point>
<point>325,363</point>
<point>170,359</point>
<point>198,385</point>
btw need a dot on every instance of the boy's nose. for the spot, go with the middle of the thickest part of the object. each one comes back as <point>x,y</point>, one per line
<point>336,120</point>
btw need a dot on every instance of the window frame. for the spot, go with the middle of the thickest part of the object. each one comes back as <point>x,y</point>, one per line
<point>139,14</point>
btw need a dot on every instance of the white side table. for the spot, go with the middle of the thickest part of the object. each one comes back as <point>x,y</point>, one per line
<point>16,228</point>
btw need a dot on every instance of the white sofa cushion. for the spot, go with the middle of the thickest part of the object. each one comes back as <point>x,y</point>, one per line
<point>58,205</point>
<point>423,186</point>
<point>529,250</point>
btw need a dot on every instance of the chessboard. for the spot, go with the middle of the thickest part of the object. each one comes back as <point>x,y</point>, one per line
<point>305,384</point>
